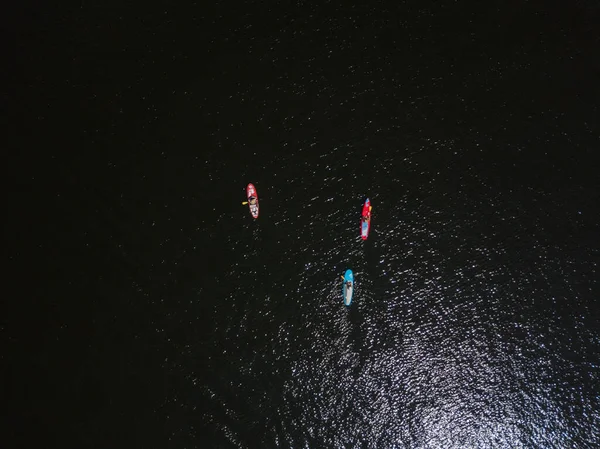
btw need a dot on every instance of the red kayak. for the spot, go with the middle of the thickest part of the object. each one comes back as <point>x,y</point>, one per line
<point>365,221</point>
<point>252,200</point>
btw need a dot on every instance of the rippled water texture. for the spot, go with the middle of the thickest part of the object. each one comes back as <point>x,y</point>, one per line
<point>471,325</point>
<point>152,311</point>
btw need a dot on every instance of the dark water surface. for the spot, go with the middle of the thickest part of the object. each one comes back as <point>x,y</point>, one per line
<point>156,313</point>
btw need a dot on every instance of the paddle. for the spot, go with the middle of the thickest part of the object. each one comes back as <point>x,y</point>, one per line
<point>244,203</point>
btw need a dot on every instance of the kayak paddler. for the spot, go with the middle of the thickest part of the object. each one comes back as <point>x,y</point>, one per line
<point>348,283</point>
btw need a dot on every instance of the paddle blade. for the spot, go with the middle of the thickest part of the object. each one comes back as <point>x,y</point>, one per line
<point>244,203</point>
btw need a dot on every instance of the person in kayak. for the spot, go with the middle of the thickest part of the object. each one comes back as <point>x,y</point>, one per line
<point>252,200</point>
<point>366,218</point>
<point>349,284</point>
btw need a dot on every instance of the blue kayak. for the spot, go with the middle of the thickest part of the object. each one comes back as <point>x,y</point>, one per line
<point>348,290</point>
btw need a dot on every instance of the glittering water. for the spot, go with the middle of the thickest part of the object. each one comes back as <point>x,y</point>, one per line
<point>474,321</point>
